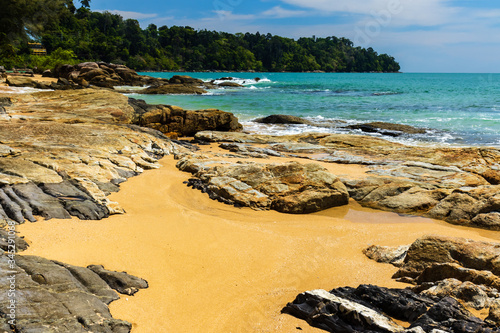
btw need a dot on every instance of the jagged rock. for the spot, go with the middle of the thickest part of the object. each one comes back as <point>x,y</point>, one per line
<point>169,119</point>
<point>282,119</point>
<point>288,187</point>
<point>120,281</point>
<point>371,309</point>
<point>54,297</point>
<point>335,314</point>
<point>6,239</point>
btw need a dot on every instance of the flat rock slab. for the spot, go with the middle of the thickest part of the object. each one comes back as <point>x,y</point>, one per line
<point>50,296</point>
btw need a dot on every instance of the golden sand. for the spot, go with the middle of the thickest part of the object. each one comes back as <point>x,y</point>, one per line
<point>216,268</point>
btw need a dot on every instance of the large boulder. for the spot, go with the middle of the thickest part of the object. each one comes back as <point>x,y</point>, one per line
<point>172,119</point>
<point>289,187</point>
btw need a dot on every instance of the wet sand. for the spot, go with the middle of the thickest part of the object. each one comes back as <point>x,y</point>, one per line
<point>216,268</point>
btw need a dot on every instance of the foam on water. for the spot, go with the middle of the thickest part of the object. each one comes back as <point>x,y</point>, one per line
<point>458,109</point>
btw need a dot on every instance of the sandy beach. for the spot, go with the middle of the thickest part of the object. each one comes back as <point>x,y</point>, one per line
<point>217,268</point>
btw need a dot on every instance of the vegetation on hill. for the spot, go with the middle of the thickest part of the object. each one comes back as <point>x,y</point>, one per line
<point>69,34</point>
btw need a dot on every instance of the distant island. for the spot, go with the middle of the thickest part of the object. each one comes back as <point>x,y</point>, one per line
<point>73,35</point>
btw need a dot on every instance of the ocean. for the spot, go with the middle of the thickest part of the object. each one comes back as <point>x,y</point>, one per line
<point>455,109</point>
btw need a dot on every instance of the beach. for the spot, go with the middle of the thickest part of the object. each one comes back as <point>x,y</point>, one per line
<point>216,268</point>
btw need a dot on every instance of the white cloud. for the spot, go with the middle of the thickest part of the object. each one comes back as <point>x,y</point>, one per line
<point>229,16</point>
<point>130,15</point>
<point>280,12</point>
<point>398,12</point>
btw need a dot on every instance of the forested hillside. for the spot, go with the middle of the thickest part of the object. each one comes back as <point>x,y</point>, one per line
<point>108,37</point>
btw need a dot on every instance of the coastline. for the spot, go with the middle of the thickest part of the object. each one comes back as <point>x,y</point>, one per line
<point>236,267</point>
<point>216,268</point>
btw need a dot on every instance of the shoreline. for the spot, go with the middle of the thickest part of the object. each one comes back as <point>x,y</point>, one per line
<point>235,267</point>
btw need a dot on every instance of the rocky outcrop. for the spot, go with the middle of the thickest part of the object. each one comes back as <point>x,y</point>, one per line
<point>458,185</point>
<point>373,309</point>
<point>173,119</point>
<point>439,267</point>
<point>41,295</point>
<point>65,158</point>
<point>289,187</point>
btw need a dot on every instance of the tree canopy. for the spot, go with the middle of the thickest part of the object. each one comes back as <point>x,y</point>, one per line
<point>103,36</point>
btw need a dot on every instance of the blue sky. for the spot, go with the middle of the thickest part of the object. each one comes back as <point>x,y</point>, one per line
<point>423,35</point>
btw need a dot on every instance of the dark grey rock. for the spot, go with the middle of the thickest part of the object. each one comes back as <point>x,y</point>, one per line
<point>120,281</point>
<point>54,297</point>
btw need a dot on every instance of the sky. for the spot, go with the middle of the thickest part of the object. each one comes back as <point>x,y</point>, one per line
<point>439,36</point>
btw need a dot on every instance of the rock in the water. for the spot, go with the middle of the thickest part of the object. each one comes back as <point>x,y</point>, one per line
<point>282,119</point>
<point>387,128</point>
<point>54,297</point>
<point>174,89</point>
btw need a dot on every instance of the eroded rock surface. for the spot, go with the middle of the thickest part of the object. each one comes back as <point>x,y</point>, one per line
<point>372,309</point>
<point>50,296</point>
<point>289,187</point>
<point>458,185</point>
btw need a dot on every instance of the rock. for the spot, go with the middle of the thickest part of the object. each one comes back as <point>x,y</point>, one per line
<point>387,254</point>
<point>184,79</point>
<point>6,240</point>
<point>169,119</point>
<point>282,119</point>
<point>335,314</point>
<point>47,73</point>
<point>120,281</point>
<point>387,128</point>
<point>55,297</point>
<point>20,81</point>
<point>429,250</point>
<point>174,89</point>
<point>63,159</point>
<point>230,84</point>
<point>372,309</point>
<point>288,187</point>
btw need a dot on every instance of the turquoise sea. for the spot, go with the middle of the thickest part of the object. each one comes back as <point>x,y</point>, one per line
<point>456,109</point>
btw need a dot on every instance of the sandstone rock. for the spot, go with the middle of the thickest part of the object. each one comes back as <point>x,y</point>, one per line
<point>168,119</point>
<point>289,187</point>
<point>430,250</point>
<point>56,297</point>
<point>282,119</point>
<point>19,81</point>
